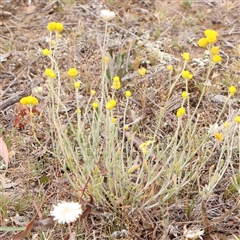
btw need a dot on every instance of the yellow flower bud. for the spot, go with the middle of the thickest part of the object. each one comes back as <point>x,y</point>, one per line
<point>202,42</point>
<point>95,105</point>
<point>142,71</point>
<point>216,58</point>
<point>77,85</point>
<point>93,92</point>
<point>181,111</point>
<point>46,52</point>
<point>232,90</point>
<point>170,67</point>
<point>128,94</point>
<point>214,50</point>
<point>184,95</point>
<point>186,56</point>
<point>73,72</point>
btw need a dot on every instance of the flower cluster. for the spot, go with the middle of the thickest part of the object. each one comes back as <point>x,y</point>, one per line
<point>187,75</point>
<point>181,111</point>
<point>49,72</point>
<point>55,27</point>
<point>210,38</point>
<point>116,83</point>
<point>111,104</point>
<point>29,101</point>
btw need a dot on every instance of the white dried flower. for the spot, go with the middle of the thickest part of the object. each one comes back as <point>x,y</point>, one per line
<point>107,15</point>
<point>193,234</point>
<point>39,90</point>
<point>66,212</point>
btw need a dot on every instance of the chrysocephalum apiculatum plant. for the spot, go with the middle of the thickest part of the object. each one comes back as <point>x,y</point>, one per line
<point>97,148</point>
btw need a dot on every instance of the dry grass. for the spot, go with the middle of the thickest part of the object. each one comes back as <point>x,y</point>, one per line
<point>153,34</point>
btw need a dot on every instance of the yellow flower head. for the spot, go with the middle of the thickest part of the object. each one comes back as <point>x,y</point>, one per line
<point>59,27</point>
<point>49,72</point>
<point>106,59</point>
<point>46,52</point>
<point>211,38</point>
<point>186,56</point>
<point>214,50</point>
<point>128,94</point>
<point>51,26</point>
<point>114,120</point>
<point>54,26</point>
<point>170,67</point>
<point>78,111</point>
<point>237,119</point>
<point>116,79</point>
<point>111,104</point>
<point>226,124</point>
<point>77,85</point>
<point>210,32</point>
<point>187,75</point>
<point>184,95</point>
<point>142,71</point>
<point>126,127</point>
<point>181,111</point>
<point>29,101</point>
<point>93,92</point>
<point>219,136</point>
<point>202,42</point>
<point>73,72</point>
<point>232,90</point>
<point>216,59</point>
<point>95,105</point>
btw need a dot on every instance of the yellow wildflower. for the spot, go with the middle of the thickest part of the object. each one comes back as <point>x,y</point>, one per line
<point>49,72</point>
<point>181,111</point>
<point>186,56</point>
<point>54,26</point>
<point>29,101</point>
<point>116,82</point>
<point>126,127</point>
<point>211,38</point>
<point>237,119</point>
<point>214,50</point>
<point>111,104</point>
<point>77,85</point>
<point>210,32</point>
<point>219,136</point>
<point>142,71</point>
<point>128,94</point>
<point>114,120</point>
<point>187,75</point>
<point>216,58</point>
<point>106,59</point>
<point>73,72</point>
<point>93,92</point>
<point>232,90</point>
<point>51,26</point>
<point>184,95</point>
<point>226,124</point>
<point>170,67</point>
<point>202,42</point>
<point>59,27</point>
<point>78,111</point>
<point>95,105</point>
<point>46,52</point>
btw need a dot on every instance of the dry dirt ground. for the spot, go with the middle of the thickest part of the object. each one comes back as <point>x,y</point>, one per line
<point>168,28</point>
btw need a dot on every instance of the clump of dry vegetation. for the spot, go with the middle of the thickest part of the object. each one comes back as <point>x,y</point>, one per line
<point>120,123</point>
